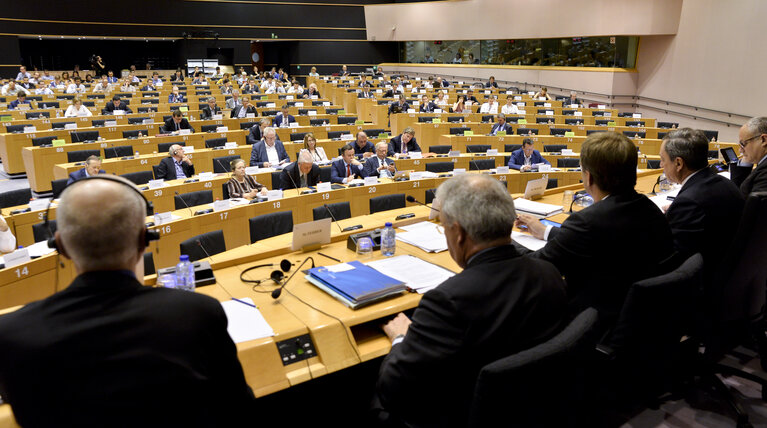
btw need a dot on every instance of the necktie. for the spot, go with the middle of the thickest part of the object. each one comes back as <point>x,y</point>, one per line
<point>404,148</point>
<point>303,180</point>
<point>348,170</point>
<point>178,126</point>
<point>285,120</point>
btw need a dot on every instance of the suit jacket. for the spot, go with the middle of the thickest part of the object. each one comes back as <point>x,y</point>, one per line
<point>603,249</point>
<point>338,171</point>
<point>517,159</point>
<point>110,107</point>
<point>93,350</point>
<point>489,84</point>
<point>705,203</point>
<point>79,174</point>
<point>236,111</point>
<point>230,104</point>
<point>291,174</point>
<point>245,89</point>
<point>404,107</point>
<point>498,128</point>
<point>308,94</point>
<point>278,120</point>
<point>366,95</point>
<point>359,152</point>
<point>170,125</point>
<point>206,114</point>
<point>258,154</point>
<point>370,167</point>
<point>499,305</point>
<point>167,169</point>
<point>15,103</point>
<point>750,180</point>
<point>428,107</point>
<point>395,145</point>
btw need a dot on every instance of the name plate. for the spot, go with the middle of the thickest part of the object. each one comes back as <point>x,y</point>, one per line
<point>415,155</point>
<point>378,91</point>
<point>573,105</point>
<point>567,151</point>
<point>314,97</point>
<point>250,115</point>
<point>39,204</point>
<point>251,170</point>
<point>578,113</point>
<point>230,145</point>
<point>437,110</point>
<point>312,112</point>
<point>29,129</point>
<point>221,205</point>
<point>454,153</point>
<point>222,128</point>
<point>544,168</point>
<point>549,112</point>
<point>411,110</point>
<point>273,195</point>
<point>416,175</point>
<point>521,112</point>
<point>601,106</point>
<point>17,257</point>
<point>371,180</point>
<point>459,171</point>
<point>156,184</point>
<point>324,187</point>
<point>184,131</point>
<point>288,97</point>
<point>347,137</point>
<point>636,116</point>
<point>188,149</point>
<point>147,121</point>
<point>547,104</point>
<point>293,125</point>
<point>162,218</point>
<point>118,112</point>
<point>608,114</point>
<point>205,176</point>
<point>110,123</point>
<point>502,170</point>
<point>70,126</point>
<point>492,152</point>
<point>327,103</point>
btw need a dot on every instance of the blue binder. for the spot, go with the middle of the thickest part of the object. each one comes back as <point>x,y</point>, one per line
<point>357,286</point>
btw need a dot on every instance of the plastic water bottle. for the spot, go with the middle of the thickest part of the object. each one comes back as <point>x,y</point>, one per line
<point>388,240</point>
<point>185,274</point>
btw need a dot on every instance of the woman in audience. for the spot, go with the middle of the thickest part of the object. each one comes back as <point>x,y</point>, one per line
<point>441,100</point>
<point>65,76</point>
<point>310,145</point>
<point>242,185</point>
<point>313,72</point>
<point>460,105</point>
<point>543,93</point>
<point>77,109</point>
<point>177,77</point>
<point>175,96</point>
<point>226,76</point>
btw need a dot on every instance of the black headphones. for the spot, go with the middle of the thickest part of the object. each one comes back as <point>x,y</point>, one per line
<point>149,235</point>
<point>277,275</point>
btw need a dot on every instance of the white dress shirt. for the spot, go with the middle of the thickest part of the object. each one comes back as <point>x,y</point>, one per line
<point>74,112</point>
<point>510,109</point>
<point>7,241</point>
<point>272,155</point>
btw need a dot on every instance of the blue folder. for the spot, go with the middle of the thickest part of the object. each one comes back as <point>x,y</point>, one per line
<point>357,286</point>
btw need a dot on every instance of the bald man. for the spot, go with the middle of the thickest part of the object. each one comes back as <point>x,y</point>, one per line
<point>176,165</point>
<point>107,348</point>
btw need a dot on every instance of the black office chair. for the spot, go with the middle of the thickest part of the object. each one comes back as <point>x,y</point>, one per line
<point>276,180</point>
<point>223,164</point>
<point>387,202</point>
<point>559,131</point>
<point>573,121</point>
<point>84,136</point>
<point>39,141</point>
<point>527,131</point>
<point>272,224</point>
<point>60,125</point>
<point>440,166</point>
<point>118,151</point>
<point>441,149</point>
<point>481,164</point>
<point>149,264</point>
<point>16,197</point>
<point>711,135</point>
<point>508,148</point>
<point>15,129</point>
<point>568,163</point>
<point>488,118</point>
<point>135,133</point>
<point>136,121</point>
<point>455,119</point>
<point>597,113</point>
<point>98,122</point>
<point>340,210</point>
<point>547,119</point>
<point>297,136</point>
<point>653,163</point>
<point>164,147</point>
<point>554,148</point>
<point>81,155</point>
<point>568,113</point>
<point>430,195</point>
<point>37,114</point>
<point>635,123</point>
<point>215,142</point>
<point>347,120</point>
<point>334,135</point>
<point>205,245</point>
<point>192,199</point>
<point>632,134</point>
<point>247,125</point>
<point>426,119</point>
<point>41,231</point>
<point>138,177</point>
<point>155,170</point>
<point>477,148</point>
<point>374,132</point>
<point>317,122</point>
<point>459,130</point>
<point>538,387</point>
<point>552,183</point>
<point>58,186</point>
<point>668,125</point>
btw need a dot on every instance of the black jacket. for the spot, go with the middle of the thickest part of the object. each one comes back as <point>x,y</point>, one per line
<point>167,169</point>
<point>294,178</point>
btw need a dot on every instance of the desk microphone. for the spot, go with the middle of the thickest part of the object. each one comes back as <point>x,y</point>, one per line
<point>187,205</point>
<point>413,200</point>
<point>277,291</point>
<point>657,181</point>
<point>290,176</point>
<point>218,161</point>
<point>346,229</point>
<point>577,197</point>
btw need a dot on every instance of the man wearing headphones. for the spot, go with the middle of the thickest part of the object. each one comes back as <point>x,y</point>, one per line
<point>108,348</point>
<point>177,165</point>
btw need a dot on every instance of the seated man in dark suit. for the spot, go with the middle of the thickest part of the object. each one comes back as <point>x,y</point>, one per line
<point>347,168</point>
<point>269,152</point>
<point>501,125</point>
<point>441,83</point>
<point>426,105</point>
<point>706,200</point>
<point>301,173</point>
<point>177,122</point>
<point>500,304</point>
<point>256,133</point>
<point>379,165</point>
<point>366,93</point>
<point>364,81</point>
<point>400,106</point>
<point>22,99</point>
<point>148,86</point>
<point>311,91</point>
<point>526,158</point>
<point>491,83</point>
<point>116,104</point>
<point>177,165</point>
<point>572,99</point>
<point>470,98</point>
<point>362,147</point>
<point>753,145</point>
<point>404,143</point>
<point>209,110</point>
<point>92,167</point>
<point>623,232</point>
<point>244,109</point>
<point>283,118</point>
<point>94,349</point>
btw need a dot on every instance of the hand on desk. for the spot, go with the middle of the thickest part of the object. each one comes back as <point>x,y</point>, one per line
<point>525,168</point>
<point>397,326</point>
<point>533,225</point>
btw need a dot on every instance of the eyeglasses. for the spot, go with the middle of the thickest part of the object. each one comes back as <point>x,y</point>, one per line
<point>744,143</point>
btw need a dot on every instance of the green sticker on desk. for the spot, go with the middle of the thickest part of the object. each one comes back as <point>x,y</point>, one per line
<point>384,135</point>
<point>264,97</point>
<point>341,112</point>
<point>611,124</point>
<point>468,133</point>
<point>57,143</point>
<point>7,118</point>
<point>359,122</point>
<point>436,120</point>
<point>522,121</point>
<point>183,109</point>
<point>500,133</point>
<point>569,134</point>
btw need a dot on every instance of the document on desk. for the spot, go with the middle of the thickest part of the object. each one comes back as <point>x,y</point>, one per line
<point>528,241</point>
<point>662,199</point>
<point>245,321</point>
<point>417,274</point>
<point>424,235</point>
<point>536,208</point>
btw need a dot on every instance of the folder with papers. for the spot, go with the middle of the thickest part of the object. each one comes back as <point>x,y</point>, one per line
<point>354,284</point>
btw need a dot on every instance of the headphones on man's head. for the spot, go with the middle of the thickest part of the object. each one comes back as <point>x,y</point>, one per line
<point>148,236</point>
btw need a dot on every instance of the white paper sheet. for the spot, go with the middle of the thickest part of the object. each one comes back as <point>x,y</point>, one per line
<point>528,241</point>
<point>417,274</point>
<point>245,321</point>
<point>425,236</point>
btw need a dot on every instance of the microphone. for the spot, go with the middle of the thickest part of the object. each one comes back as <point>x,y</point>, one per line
<point>346,229</point>
<point>218,161</point>
<point>413,200</point>
<point>277,291</point>
<point>657,181</point>
<point>189,208</point>
<point>577,197</point>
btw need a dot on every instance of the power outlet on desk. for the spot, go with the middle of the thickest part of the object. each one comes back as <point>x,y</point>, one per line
<point>296,349</point>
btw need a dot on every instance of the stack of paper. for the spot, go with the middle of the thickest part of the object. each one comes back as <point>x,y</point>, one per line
<point>536,208</point>
<point>354,284</point>
<point>662,199</point>
<point>245,321</point>
<point>424,235</point>
<point>528,241</point>
<point>417,274</point>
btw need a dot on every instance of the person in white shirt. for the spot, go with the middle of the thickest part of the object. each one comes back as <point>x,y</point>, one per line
<point>7,240</point>
<point>268,87</point>
<point>235,101</point>
<point>13,89</point>
<point>510,107</point>
<point>296,88</point>
<point>279,88</point>
<point>47,75</point>
<point>491,106</point>
<point>22,73</point>
<point>133,77</point>
<point>313,72</point>
<point>77,109</point>
<point>43,90</point>
<point>103,85</point>
<point>127,85</point>
<point>156,79</point>
<point>35,79</point>
<point>441,100</point>
<point>75,87</point>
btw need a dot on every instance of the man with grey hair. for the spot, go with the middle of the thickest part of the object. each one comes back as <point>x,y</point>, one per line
<point>498,305</point>
<point>234,101</point>
<point>107,343</point>
<point>302,173</point>
<point>268,152</point>
<point>176,165</point>
<point>753,145</point>
<point>379,165</point>
<point>706,200</point>
<point>92,167</point>
<point>209,110</point>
